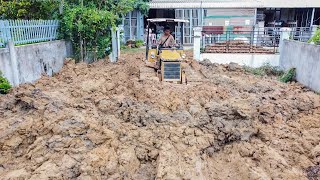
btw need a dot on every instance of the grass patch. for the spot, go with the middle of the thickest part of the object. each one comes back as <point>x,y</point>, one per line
<point>265,70</point>
<point>288,76</point>
<point>132,50</point>
<point>4,85</point>
<point>316,38</point>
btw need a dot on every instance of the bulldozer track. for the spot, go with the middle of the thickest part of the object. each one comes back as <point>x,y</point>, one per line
<point>148,73</point>
<point>193,73</point>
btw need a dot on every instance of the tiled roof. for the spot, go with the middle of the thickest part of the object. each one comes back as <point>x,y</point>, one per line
<point>167,4</point>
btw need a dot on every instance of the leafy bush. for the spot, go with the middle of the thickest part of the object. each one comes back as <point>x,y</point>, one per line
<point>316,38</point>
<point>288,76</point>
<point>264,70</point>
<point>88,24</point>
<point>139,43</point>
<point>4,85</point>
<point>134,43</point>
<point>87,28</point>
<point>26,9</point>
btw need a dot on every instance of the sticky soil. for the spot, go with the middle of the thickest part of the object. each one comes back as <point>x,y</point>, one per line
<point>99,121</point>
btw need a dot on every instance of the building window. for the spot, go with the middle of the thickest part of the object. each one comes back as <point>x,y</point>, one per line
<point>194,17</point>
<point>133,22</point>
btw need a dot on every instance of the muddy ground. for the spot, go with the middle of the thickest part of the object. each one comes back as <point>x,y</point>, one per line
<point>99,121</point>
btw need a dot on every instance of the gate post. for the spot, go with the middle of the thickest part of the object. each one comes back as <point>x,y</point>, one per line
<point>284,35</point>
<point>119,29</point>
<point>115,43</point>
<point>196,42</point>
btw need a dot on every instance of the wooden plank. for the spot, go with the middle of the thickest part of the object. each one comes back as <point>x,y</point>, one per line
<point>16,26</point>
<point>19,22</point>
<point>53,30</point>
<point>50,34</point>
<point>43,32</point>
<point>26,31</point>
<point>12,30</point>
<point>56,29</point>
<point>37,30</point>
<point>41,23</point>
<point>50,30</point>
<point>34,31</point>
<point>27,22</point>
<point>46,33</point>
<point>24,40</point>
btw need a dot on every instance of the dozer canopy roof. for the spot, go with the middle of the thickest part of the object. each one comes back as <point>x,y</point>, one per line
<point>166,20</point>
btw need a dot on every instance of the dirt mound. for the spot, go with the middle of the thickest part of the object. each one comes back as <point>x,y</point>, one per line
<point>99,121</point>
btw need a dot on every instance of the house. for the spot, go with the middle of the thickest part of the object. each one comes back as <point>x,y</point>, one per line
<point>226,14</point>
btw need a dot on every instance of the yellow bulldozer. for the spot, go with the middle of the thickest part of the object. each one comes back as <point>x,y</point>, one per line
<point>165,63</point>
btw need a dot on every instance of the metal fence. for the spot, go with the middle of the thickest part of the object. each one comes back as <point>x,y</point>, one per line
<point>27,31</point>
<point>263,40</point>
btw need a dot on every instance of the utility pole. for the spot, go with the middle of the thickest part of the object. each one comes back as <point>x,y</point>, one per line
<point>61,6</point>
<point>81,40</point>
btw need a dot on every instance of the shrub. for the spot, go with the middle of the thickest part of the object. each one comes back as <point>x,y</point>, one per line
<point>4,85</point>
<point>87,24</point>
<point>264,70</point>
<point>316,38</point>
<point>139,43</point>
<point>134,43</point>
<point>288,76</point>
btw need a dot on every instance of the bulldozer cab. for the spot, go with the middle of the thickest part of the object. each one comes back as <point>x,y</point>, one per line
<point>165,60</point>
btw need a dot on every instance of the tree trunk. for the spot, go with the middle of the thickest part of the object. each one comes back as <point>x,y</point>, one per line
<point>81,48</point>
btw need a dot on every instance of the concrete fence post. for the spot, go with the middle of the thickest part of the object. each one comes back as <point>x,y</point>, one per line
<point>197,42</point>
<point>119,29</point>
<point>115,43</point>
<point>284,35</point>
<point>13,63</point>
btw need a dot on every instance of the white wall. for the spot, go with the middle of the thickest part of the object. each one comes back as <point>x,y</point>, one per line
<point>34,59</point>
<point>5,65</point>
<point>252,60</point>
<point>305,58</point>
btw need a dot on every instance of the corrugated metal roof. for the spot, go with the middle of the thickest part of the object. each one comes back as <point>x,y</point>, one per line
<point>173,4</point>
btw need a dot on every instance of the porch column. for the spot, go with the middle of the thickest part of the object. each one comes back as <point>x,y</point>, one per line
<point>312,17</point>
<point>284,35</point>
<point>197,42</point>
<point>255,17</point>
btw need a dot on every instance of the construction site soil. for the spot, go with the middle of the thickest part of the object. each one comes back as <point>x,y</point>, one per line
<point>99,121</point>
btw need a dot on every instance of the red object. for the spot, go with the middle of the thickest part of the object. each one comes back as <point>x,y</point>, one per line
<point>212,29</point>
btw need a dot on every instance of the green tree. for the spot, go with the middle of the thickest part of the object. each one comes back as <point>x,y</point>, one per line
<point>88,23</point>
<point>26,9</point>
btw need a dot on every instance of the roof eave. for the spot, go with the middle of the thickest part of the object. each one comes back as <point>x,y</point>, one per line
<point>242,4</point>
